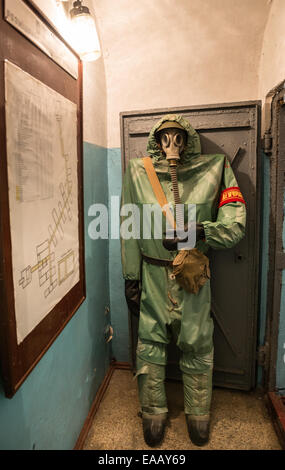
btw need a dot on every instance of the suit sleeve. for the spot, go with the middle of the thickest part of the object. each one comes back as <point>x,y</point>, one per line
<point>130,249</point>
<point>229,227</point>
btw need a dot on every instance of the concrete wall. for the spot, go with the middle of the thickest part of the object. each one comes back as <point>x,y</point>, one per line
<point>272,61</point>
<point>163,53</point>
<point>50,408</point>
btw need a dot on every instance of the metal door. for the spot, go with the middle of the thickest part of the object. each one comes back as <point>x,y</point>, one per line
<point>231,129</point>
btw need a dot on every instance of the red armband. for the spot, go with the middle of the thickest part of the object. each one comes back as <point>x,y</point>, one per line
<point>231,195</point>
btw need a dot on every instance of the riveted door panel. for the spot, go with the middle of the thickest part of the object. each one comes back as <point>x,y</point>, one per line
<point>232,129</point>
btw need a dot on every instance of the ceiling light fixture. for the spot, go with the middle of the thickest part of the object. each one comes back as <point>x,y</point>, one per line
<point>84,34</point>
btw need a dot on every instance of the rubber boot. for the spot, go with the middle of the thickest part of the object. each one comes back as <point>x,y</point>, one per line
<point>152,400</point>
<point>154,428</point>
<point>198,429</point>
<point>197,399</point>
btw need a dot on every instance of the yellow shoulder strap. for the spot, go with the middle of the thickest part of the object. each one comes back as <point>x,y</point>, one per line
<point>158,191</point>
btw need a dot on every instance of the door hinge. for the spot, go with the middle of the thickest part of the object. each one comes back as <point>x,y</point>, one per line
<point>262,355</point>
<point>267,142</point>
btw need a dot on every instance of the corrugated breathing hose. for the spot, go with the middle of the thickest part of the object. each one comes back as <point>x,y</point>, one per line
<point>178,206</point>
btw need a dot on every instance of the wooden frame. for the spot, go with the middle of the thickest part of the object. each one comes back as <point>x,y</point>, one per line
<point>276,407</point>
<point>18,360</point>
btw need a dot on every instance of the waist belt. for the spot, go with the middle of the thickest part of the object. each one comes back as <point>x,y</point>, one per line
<point>156,261</point>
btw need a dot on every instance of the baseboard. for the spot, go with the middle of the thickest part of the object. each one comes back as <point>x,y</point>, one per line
<point>276,405</point>
<point>122,365</point>
<point>97,400</point>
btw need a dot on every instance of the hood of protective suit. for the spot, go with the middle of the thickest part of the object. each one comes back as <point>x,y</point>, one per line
<point>192,148</point>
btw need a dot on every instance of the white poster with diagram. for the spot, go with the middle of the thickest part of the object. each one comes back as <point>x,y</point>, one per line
<point>41,129</point>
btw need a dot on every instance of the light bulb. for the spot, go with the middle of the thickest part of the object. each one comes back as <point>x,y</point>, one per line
<point>84,36</point>
<point>86,40</point>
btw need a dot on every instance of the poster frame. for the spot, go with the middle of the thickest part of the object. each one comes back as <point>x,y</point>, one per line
<point>18,360</point>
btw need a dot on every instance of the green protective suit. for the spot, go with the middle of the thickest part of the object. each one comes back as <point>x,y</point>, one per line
<point>166,309</point>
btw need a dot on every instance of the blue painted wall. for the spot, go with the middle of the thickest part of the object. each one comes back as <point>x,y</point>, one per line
<point>265,204</point>
<point>50,408</point>
<point>119,310</point>
<point>264,252</point>
<point>264,242</point>
<point>280,369</point>
<point>281,338</point>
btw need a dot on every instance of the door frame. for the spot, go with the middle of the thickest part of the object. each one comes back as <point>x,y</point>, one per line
<point>275,100</point>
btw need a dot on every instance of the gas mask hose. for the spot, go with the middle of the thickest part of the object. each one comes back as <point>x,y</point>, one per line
<point>177,200</point>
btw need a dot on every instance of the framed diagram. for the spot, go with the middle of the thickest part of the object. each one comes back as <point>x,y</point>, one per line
<point>41,196</point>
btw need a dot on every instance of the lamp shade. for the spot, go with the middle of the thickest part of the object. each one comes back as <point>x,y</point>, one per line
<point>84,34</point>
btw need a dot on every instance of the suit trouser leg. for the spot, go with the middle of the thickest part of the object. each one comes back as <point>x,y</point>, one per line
<point>197,372</point>
<point>194,337</point>
<point>151,377</point>
<point>152,395</point>
<point>197,383</point>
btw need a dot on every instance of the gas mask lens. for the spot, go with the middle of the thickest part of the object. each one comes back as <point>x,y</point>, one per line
<point>172,143</point>
<point>165,140</point>
<point>178,140</point>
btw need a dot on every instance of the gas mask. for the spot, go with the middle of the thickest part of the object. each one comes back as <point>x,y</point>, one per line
<point>172,140</point>
<point>172,143</point>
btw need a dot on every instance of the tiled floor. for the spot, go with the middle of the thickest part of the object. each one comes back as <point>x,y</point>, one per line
<point>239,420</point>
